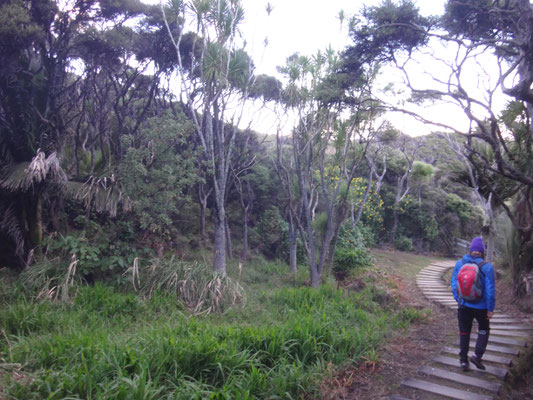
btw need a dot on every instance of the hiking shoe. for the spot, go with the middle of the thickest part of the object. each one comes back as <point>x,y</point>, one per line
<point>464,365</point>
<point>477,362</point>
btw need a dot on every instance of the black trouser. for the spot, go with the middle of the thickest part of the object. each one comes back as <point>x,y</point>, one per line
<point>466,315</point>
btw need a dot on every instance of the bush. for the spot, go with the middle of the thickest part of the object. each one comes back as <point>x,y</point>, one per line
<point>349,260</point>
<point>360,237</point>
<point>403,243</point>
<point>272,236</point>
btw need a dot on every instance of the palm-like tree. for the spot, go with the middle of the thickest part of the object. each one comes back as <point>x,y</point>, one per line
<point>25,187</point>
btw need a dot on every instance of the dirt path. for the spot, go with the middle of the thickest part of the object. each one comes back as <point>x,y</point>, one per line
<point>407,351</point>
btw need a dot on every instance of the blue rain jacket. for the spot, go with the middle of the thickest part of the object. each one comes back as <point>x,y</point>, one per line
<point>488,301</point>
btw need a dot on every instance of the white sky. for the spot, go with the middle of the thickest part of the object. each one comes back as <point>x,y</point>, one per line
<point>303,26</point>
<point>306,26</point>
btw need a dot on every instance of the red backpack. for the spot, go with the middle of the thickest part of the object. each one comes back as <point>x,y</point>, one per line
<point>469,283</point>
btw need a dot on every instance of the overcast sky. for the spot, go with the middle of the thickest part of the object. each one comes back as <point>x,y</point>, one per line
<point>303,26</point>
<point>306,26</point>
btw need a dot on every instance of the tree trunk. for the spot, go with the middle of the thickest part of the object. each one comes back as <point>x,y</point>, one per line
<point>244,254</point>
<point>229,249</point>
<point>394,225</point>
<point>36,226</point>
<point>202,222</point>
<point>363,202</point>
<point>314,274</point>
<point>293,243</point>
<point>202,199</point>
<point>219,262</point>
<point>491,242</point>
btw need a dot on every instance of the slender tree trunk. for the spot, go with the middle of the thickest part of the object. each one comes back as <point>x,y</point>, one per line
<point>363,202</point>
<point>314,274</point>
<point>202,222</point>
<point>36,226</point>
<point>293,243</point>
<point>326,246</point>
<point>229,248</point>
<point>394,225</point>
<point>244,254</point>
<point>202,199</point>
<point>219,262</point>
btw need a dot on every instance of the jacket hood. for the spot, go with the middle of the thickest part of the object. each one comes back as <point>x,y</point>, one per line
<point>468,258</point>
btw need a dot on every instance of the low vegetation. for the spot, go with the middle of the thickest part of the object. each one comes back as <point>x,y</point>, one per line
<point>106,343</point>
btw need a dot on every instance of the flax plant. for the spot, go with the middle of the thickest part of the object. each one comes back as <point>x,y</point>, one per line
<point>202,290</point>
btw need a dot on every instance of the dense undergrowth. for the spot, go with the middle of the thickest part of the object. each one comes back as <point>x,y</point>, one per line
<point>107,343</point>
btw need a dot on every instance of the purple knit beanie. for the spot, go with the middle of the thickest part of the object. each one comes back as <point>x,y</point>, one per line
<point>477,245</point>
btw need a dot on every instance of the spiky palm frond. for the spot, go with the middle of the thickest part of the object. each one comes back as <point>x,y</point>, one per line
<point>10,226</point>
<point>21,177</point>
<point>100,194</point>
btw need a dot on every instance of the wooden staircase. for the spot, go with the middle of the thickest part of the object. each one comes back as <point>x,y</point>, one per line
<point>442,377</point>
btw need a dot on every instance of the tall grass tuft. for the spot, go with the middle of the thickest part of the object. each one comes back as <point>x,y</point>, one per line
<point>202,290</point>
<point>51,280</point>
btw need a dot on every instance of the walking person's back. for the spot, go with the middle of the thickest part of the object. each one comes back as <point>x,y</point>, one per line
<point>473,288</point>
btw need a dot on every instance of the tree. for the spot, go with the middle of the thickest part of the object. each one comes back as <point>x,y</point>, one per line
<point>41,105</point>
<point>493,40</point>
<point>157,172</point>
<point>327,149</point>
<point>403,185</point>
<point>214,75</point>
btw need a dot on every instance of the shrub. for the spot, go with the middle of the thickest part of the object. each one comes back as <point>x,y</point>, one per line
<point>349,260</point>
<point>403,243</point>
<point>272,236</point>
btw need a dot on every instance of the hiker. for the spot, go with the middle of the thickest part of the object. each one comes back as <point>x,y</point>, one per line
<point>473,287</point>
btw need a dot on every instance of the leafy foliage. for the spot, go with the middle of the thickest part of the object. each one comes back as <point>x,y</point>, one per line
<point>348,261</point>
<point>157,171</point>
<point>403,243</point>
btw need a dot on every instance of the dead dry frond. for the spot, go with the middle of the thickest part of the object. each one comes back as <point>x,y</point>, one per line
<point>99,194</point>
<point>23,176</point>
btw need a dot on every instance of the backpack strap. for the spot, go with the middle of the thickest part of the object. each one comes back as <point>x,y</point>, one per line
<point>480,265</point>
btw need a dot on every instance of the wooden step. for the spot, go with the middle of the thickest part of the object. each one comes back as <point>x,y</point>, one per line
<point>502,340</point>
<point>463,378</point>
<point>501,315</point>
<point>443,390</point>
<point>522,334</point>
<point>496,349</point>
<point>439,296</point>
<point>500,373</point>
<point>431,287</point>
<point>507,327</point>
<point>495,320</point>
<point>486,357</point>
<point>446,264</point>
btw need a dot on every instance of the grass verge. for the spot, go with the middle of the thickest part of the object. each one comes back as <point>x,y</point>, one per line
<point>109,344</point>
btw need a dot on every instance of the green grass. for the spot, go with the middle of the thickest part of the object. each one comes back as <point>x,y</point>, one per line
<point>109,344</point>
<point>406,265</point>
